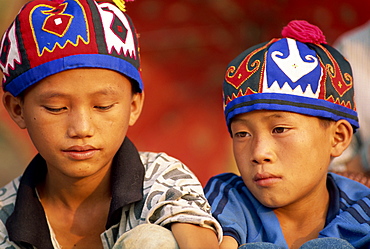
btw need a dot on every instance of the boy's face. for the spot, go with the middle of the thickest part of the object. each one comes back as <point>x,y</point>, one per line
<point>77,119</point>
<point>283,157</point>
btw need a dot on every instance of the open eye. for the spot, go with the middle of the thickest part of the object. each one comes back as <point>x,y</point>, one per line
<point>241,134</point>
<point>279,130</point>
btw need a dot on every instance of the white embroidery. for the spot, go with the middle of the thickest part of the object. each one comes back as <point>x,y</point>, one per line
<point>14,53</point>
<point>293,66</point>
<point>113,41</point>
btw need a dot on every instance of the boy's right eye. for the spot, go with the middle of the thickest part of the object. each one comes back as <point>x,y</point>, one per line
<point>55,110</point>
<point>241,134</point>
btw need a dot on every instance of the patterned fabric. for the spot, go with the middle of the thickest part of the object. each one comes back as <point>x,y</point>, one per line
<point>291,74</point>
<point>146,188</point>
<point>355,46</point>
<point>244,218</point>
<point>48,37</point>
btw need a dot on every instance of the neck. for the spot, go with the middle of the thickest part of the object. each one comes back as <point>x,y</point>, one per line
<point>304,212</point>
<point>304,219</point>
<point>72,193</point>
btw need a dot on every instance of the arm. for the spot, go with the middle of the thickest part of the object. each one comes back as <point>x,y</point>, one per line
<point>189,236</point>
<point>228,242</point>
<point>176,196</point>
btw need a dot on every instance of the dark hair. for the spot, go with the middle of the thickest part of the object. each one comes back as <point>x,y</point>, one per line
<point>325,122</point>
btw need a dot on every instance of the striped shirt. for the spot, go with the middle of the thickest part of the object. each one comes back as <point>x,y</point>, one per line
<point>146,188</point>
<point>244,218</point>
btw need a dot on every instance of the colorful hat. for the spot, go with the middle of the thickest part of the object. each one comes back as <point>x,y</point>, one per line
<point>298,73</point>
<point>50,36</point>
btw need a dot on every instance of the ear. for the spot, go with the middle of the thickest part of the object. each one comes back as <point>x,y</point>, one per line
<point>342,137</point>
<point>136,107</point>
<point>14,106</point>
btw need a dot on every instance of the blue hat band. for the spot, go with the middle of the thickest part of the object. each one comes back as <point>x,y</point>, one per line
<point>32,76</point>
<point>291,103</point>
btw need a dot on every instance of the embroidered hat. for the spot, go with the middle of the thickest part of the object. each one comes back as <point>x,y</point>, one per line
<point>50,36</point>
<point>297,73</point>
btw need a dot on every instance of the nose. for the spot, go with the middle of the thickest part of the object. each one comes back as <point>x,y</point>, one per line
<point>80,124</point>
<point>263,150</point>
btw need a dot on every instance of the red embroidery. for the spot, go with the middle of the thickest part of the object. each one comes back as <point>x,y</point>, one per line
<point>339,102</point>
<point>338,80</point>
<point>239,94</point>
<point>58,22</point>
<point>236,77</point>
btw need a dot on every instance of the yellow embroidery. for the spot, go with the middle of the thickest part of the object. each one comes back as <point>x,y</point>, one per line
<point>120,4</point>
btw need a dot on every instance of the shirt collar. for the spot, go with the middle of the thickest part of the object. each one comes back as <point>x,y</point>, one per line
<point>28,224</point>
<point>334,199</point>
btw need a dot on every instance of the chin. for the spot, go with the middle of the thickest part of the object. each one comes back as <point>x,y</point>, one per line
<point>271,202</point>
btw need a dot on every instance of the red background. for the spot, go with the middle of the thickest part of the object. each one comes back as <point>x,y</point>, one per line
<point>185,48</point>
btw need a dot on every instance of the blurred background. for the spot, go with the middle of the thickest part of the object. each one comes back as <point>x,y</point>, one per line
<point>185,48</point>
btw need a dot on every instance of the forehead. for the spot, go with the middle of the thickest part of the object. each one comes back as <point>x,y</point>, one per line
<point>267,115</point>
<point>82,81</point>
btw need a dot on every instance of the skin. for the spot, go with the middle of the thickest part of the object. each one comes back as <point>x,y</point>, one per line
<point>283,159</point>
<point>77,120</point>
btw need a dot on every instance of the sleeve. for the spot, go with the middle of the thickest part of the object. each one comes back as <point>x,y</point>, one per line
<point>7,199</point>
<point>4,241</point>
<point>175,195</point>
<point>227,206</point>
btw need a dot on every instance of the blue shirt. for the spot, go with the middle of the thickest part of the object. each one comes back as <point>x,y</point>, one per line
<point>244,218</point>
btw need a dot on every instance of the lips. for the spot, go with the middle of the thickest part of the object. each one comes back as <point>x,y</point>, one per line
<point>266,179</point>
<point>81,152</point>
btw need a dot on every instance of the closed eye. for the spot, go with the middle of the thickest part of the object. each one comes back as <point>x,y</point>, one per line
<point>104,108</point>
<point>55,110</point>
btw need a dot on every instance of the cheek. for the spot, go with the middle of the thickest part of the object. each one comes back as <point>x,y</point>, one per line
<point>45,138</point>
<point>241,157</point>
<point>43,130</point>
<point>239,154</point>
<point>115,125</point>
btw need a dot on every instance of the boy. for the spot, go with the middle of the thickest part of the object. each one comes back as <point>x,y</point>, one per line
<point>72,79</point>
<point>289,109</point>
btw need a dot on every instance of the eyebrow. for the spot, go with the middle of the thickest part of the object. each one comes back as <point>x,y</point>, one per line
<point>50,95</point>
<point>54,94</point>
<point>276,115</point>
<point>271,116</point>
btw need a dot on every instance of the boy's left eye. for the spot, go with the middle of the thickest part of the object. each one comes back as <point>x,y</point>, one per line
<point>279,130</point>
<point>104,108</point>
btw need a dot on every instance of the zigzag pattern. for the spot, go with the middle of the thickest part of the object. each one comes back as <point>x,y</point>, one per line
<point>340,102</point>
<point>239,94</point>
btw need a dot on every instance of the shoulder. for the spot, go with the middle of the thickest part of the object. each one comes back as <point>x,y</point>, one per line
<point>8,195</point>
<point>161,158</point>
<point>229,178</point>
<point>227,191</point>
<point>224,182</point>
<point>159,163</point>
<point>354,198</point>
<point>162,169</point>
<point>349,188</point>
<point>353,219</point>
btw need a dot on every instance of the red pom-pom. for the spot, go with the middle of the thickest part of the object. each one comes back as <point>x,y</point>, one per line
<point>303,31</point>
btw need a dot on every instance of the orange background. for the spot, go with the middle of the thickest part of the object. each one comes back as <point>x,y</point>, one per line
<point>185,48</point>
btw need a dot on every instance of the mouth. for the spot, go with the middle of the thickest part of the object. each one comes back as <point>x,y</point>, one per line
<point>80,153</point>
<point>266,179</point>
